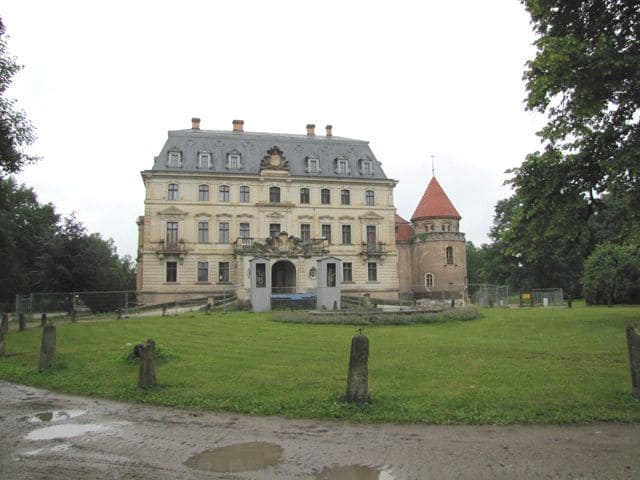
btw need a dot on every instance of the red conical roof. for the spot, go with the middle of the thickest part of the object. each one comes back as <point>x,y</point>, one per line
<point>435,204</point>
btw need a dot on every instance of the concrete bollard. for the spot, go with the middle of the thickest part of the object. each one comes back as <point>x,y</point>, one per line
<point>48,349</point>
<point>43,320</point>
<point>633,344</point>
<point>147,373</point>
<point>22,322</point>
<point>358,379</point>
<point>5,323</point>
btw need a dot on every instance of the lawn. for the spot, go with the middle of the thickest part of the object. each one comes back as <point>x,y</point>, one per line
<point>512,366</point>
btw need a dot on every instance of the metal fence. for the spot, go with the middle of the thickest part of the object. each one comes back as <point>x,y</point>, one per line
<point>488,295</point>
<point>546,297</point>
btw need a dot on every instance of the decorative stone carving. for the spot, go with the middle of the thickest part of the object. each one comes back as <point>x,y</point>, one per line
<point>274,160</point>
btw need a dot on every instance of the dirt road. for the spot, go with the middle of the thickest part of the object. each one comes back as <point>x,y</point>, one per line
<point>46,435</point>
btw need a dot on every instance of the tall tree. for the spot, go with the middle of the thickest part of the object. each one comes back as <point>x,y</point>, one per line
<point>16,132</point>
<point>586,79</point>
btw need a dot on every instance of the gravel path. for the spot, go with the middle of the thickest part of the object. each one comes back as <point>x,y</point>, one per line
<point>45,435</point>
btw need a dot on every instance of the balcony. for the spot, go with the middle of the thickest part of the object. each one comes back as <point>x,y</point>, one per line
<point>171,248</point>
<point>373,249</point>
<point>282,245</point>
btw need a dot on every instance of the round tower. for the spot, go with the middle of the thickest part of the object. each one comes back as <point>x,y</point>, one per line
<point>438,251</point>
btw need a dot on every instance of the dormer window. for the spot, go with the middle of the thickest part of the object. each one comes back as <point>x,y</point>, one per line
<point>233,161</point>
<point>174,159</point>
<point>366,167</point>
<point>342,166</point>
<point>204,160</point>
<point>313,165</point>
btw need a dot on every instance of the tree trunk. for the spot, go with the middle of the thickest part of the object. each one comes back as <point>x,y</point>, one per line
<point>358,378</point>
<point>147,373</point>
<point>48,349</point>
<point>5,323</point>
<point>22,322</point>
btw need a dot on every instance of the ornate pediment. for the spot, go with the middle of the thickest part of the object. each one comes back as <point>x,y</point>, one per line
<point>283,245</point>
<point>172,212</point>
<point>274,160</point>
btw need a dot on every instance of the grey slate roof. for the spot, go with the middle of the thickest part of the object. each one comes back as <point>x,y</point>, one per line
<point>253,146</point>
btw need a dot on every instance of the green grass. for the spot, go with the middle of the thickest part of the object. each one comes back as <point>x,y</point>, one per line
<point>511,366</point>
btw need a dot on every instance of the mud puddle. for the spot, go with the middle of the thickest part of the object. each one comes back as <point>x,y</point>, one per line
<point>240,457</point>
<point>56,416</point>
<point>65,431</point>
<point>354,472</point>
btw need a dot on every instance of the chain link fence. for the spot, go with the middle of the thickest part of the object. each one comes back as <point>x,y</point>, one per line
<point>488,295</point>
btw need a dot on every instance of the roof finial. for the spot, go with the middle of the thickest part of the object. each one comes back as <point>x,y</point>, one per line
<point>433,168</point>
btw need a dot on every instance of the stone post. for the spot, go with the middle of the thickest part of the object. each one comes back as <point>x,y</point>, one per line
<point>633,344</point>
<point>5,323</point>
<point>164,310</point>
<point>358,379</point>
<point>48,349</point>
<point>22,322</point>
<point>43,320</point>
<point>118,314</point>
<point>147,374</point>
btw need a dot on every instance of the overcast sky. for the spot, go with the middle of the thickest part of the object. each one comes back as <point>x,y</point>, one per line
<point>104,81</point>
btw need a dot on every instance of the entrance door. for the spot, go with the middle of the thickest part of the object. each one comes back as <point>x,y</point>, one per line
<point>283,277</point>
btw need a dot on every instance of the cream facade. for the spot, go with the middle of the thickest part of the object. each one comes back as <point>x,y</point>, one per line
<point>216,199</point>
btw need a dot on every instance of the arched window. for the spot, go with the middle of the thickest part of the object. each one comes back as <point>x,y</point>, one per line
<point>449,254</point>
<point>428,280</point>
<point>274,194</point>
<point>224,193</point>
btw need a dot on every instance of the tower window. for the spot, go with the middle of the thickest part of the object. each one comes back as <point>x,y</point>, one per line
<point>428,280</point>
<point>449,254</point>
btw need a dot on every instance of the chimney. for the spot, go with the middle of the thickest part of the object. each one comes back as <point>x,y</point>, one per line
<point>311,130</point>
<point>329,130</point>
<point>238,126</point>
<point>195,123</point>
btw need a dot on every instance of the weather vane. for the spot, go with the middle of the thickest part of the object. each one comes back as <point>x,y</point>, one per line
<point>433,168</point>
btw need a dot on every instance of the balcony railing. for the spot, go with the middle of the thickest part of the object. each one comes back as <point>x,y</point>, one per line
<point>373,249</point>
<point>171,248</point>
<point>280,245</point>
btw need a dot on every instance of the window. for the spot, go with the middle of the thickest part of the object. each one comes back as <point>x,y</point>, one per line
<point>313,165</point>
<point>372,269</point>
<point>274,230</point>
<point>346,234</point>
<point>305,232</point>
<point>274,195</point>
<point>448,227</point>
<point>223,232</point>
<point>233,161</point>
<point>172,233</point>
<point>369,198</point>
<point>174,159</point>
<point>371,237</point>
<point>244,230</point>
<point>203,193</point>
<point>304,195</point>
<point>325,196</point>
<point>449,254</point>
<point>443,228</point>
<point>326,232</point>
<point>244,194</point>
<point>345,197</point>
<point>203,271</point>
<point>172,272</point>
<point>172,192</point>
<point>428,280</point>
<point>342,167</point>
<point>261,276</point>
<point>347,272</point>
<point>204,160</point>
<point>223,272</point>
<point>331,275</point>
<point>203,232</point>
<point>366,167</point>
<point>223,193</point>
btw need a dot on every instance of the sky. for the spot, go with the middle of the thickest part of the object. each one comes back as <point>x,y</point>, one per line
<point>103,82</point>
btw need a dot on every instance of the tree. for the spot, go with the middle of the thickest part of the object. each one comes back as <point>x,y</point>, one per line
<point>585,78</point>
<point>611,275</point>
<point>26,228</point>
<point>16,132</point>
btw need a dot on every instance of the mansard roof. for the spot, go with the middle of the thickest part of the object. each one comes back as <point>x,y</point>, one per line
<point>435,204</point>
<point>253,147</point>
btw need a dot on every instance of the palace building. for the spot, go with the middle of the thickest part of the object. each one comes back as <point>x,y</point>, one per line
<point>215,200</point>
